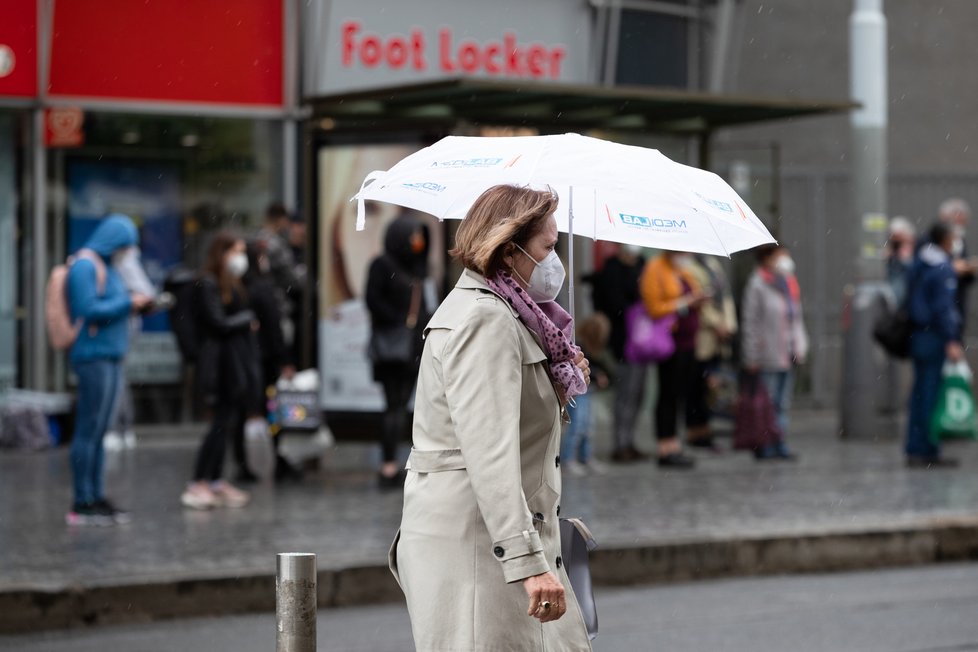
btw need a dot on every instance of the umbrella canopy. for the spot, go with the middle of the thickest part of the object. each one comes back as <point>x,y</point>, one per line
<point>608,191</point>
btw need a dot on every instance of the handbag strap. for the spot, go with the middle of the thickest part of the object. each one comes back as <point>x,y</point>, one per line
<point>412,316</point>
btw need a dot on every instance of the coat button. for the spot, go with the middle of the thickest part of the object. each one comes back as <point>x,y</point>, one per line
<point>538,516</point>
<point>498,551</point>
<point>558,510</point>
<point>557,460</point>
<point>560,562</point>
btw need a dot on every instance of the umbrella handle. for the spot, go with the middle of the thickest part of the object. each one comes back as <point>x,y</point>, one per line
<point>570,259</point>
<point>361,209</point>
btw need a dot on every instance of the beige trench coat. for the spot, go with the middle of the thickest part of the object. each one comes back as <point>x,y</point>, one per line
<point>483,486</point>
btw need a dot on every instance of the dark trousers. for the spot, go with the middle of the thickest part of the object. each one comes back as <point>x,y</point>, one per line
<point>228,422</point>
<point>397,393</point>
<point>927,351</point>
<point>98,389</point>
<point>674,384</point>
<point>697,404</point>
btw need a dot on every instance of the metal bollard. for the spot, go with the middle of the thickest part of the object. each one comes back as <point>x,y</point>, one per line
<point>295,602</point>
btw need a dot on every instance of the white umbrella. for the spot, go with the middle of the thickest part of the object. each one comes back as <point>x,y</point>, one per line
<point>607,191</point>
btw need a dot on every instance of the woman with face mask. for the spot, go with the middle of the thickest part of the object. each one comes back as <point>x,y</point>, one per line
<point>478,551</point>
<point>227,367</point>
<point>669,287</point>
<point>774,339</point>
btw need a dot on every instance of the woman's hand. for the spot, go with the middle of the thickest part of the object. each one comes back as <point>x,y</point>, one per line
<point>545,589</point>
<point>582,363</point>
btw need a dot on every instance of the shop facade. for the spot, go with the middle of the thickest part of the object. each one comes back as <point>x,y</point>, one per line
<point>186,121</point>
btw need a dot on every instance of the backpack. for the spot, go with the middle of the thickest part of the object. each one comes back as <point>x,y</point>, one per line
<point>183,284</point>
<point>62,331</point>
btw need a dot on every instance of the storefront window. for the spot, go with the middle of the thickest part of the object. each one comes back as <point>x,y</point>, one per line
<point>180,179</point>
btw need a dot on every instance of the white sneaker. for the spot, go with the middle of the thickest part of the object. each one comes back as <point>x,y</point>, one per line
<point>112,441</point>
<point>575,468</point>
<point>596,467</point>
<point>199,496</point>
<point>129,439</point>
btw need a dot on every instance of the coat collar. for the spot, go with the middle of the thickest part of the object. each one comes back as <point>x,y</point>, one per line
<point>470,280</point>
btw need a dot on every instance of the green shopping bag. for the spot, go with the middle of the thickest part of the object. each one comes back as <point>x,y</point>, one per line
<point>955,415</point>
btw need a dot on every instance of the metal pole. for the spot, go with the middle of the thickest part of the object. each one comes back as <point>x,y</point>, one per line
<point>295,602</point>
<point>865,413</point>
<point>722,31</point>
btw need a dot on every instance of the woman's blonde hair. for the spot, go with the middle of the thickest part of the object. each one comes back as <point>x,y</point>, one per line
<point>501,215</point>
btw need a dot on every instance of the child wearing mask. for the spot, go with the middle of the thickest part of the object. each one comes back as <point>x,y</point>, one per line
<point>575,449</point>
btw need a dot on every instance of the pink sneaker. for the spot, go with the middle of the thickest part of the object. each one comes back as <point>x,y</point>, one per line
<point>199,496</point>
<point>228,495</point>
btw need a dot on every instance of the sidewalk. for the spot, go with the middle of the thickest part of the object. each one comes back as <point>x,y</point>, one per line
<point>844,505</point>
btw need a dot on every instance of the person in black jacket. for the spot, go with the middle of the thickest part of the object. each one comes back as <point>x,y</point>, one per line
<point>228,368</point>
<point>398,309</point>
<point>275,356</point>
<point>615,291</point>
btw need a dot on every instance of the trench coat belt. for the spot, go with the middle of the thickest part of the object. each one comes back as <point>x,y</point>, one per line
<point>449,459</point>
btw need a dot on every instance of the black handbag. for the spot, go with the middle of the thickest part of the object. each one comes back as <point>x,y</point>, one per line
<point>396,344</point>
<point>576,544</point>
<point>893,331</point>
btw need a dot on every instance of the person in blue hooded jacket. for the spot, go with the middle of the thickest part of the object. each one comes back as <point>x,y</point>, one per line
<point>936,337</point>
<point>96,358</point>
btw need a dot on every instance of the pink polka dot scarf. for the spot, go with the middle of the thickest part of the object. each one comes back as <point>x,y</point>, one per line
<point>552,325</point>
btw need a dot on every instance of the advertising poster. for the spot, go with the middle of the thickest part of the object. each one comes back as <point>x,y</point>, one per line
<point>344,258</point>
<point>150,195</point>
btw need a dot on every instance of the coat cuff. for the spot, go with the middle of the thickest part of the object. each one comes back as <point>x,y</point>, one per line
<point>521,556</point>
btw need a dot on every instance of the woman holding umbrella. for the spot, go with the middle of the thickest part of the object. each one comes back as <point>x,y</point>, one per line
<point>478,551</point>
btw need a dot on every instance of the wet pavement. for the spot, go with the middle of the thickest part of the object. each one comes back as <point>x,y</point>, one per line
<point>338,513</point>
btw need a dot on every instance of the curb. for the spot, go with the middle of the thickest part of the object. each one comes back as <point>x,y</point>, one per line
<point>940,540</point>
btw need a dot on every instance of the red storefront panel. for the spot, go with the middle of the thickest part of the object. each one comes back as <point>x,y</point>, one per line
<point>18,48</point>
<point>214,51</point>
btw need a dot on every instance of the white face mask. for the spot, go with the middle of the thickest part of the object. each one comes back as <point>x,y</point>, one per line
<point>237,265</point>
<point>124,256</point>
<point>784,266</point>
<point>547,277</point>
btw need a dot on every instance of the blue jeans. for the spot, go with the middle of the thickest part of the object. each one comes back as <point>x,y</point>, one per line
<point>98,388</point>
<point>780,386</point>
<point>576,444</point>
<point>927,352</point>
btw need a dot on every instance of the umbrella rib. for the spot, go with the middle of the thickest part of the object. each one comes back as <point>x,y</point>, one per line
<point>719,239</point>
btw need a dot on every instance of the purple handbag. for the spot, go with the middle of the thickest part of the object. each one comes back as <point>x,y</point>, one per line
<point>647,339</point>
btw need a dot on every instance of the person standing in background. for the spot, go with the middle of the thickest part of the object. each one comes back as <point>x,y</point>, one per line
<point>718,323</point>
<point>899,253</point>
<point>100,300</point>
<point>396,299</point>
<point>121,433</point>
<point>955,214</point>
<point>228,369</point>
<point>615,291</point>
<point>936,338</point>
<point>276,359</point>
<point>668,287</point>
<point>774,337</point>
<point>274,237</point>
